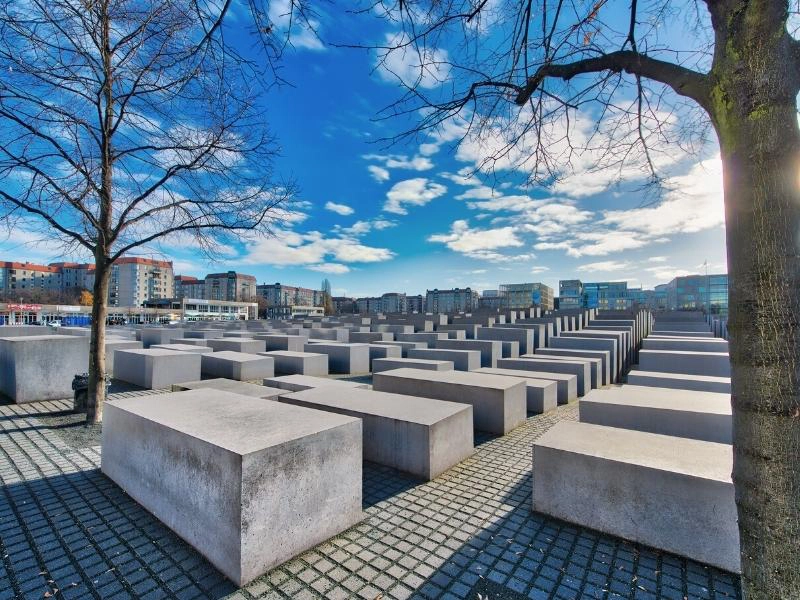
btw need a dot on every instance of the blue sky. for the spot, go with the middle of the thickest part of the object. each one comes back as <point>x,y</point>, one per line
<point>375,219</point>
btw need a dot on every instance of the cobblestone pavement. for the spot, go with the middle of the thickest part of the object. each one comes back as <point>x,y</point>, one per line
<point>66,531</point>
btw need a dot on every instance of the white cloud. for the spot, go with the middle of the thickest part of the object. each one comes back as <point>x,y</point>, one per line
<point>401,161</point>
<point>333,268</point>
<point>413,192</point>
<point>362,227</point>
<point>339,209</point>
<point>477,243</point>
<point>298,32</point>
<point>657,259</point>
<point>693,202</point>
<point>404,64</point>
<point>428,149</point>
<point>312,248</point>
<point>379,174</point>
<point>605,266</point>
<point>539,269</point>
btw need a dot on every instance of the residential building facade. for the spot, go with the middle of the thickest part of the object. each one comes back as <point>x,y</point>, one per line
<point>285,300</point>
<point>230,286</point>
<point>189,287</point>
<point>133,279</point>
<point>416,304</point>
<point>136,280</point>
<point>454,300</point>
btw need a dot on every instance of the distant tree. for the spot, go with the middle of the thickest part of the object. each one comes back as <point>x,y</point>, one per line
<point>125,122</point>
<point>515,76</point>
<point>263,305</point>
<point>327,298</point>
<point>86,299</point>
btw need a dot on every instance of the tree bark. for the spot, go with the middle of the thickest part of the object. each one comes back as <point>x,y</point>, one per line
<point>97,344</point>
<point>753,93</point>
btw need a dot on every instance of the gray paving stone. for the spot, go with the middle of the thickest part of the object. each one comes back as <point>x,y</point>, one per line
<point>435,539</point>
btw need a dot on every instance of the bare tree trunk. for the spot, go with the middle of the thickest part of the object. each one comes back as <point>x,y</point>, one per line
<point>761,157</point>
<point>97,345</point>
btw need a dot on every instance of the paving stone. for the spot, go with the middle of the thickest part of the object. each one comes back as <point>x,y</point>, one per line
<point>439,539</point>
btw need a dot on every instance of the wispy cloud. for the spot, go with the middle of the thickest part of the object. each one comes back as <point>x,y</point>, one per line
<point>339,209</point>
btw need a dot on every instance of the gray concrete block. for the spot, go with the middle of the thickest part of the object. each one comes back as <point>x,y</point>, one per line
<point>246,345</point>
<point>603,344</point>
<point>114,344</point>
<point>545,364</point>
<point>291,343</point>
<point>681,381</point>
<point>155,369</point>
<point>238,366</point>
<point>490,350</point>
<point>188,341</point>
<point>523,337</point>
<point>463,360</point>
<point>715,364</point>
<point>681,334</point>
<point>298,363</point>
<point>509,350</point>
<point>387,364</point>
<point>698,415</point>
<point>377,351</point>
<point>298,383</point>
<point>657,490</point>
<point>343,358</point>
<point>539,332</point>
<point>157,335</point>
<point>41,367</point>
<point>404,346</point>
<point>607,376</point>
<point>541,394</point>
<point>248,483</point>
<point>368,337</point>
<point>183,348</point>
<point>595,369</point>
<point>421,436</point>
<point>338,334</point>
<point>684,344</point>
<point>566,385</point>
<point>229,385</point>
<point>499,403</point>
<point>428,338</point>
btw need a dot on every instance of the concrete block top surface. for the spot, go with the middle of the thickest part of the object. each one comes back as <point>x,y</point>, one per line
<point>229,385</point>
<point>42,338</point>
<point>696,458</point>
<point>289,354</point>
<point>181,347</point>
<point>237,356</point>
<point>456,377</point>
<point>529,376</point>
<point>153,352</point>
<point>679,376</point>
<point>239,424</point>
<point>311,381</point>
<point>413,361</point>
<point>666,398</point>
<point>684,352</point>
<point>412,409</point>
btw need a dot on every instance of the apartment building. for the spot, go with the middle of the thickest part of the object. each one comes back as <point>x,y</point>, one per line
<point>187,286</point>
<point>136,280</point>
<point>454,300</point>
<point>133,279</point>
